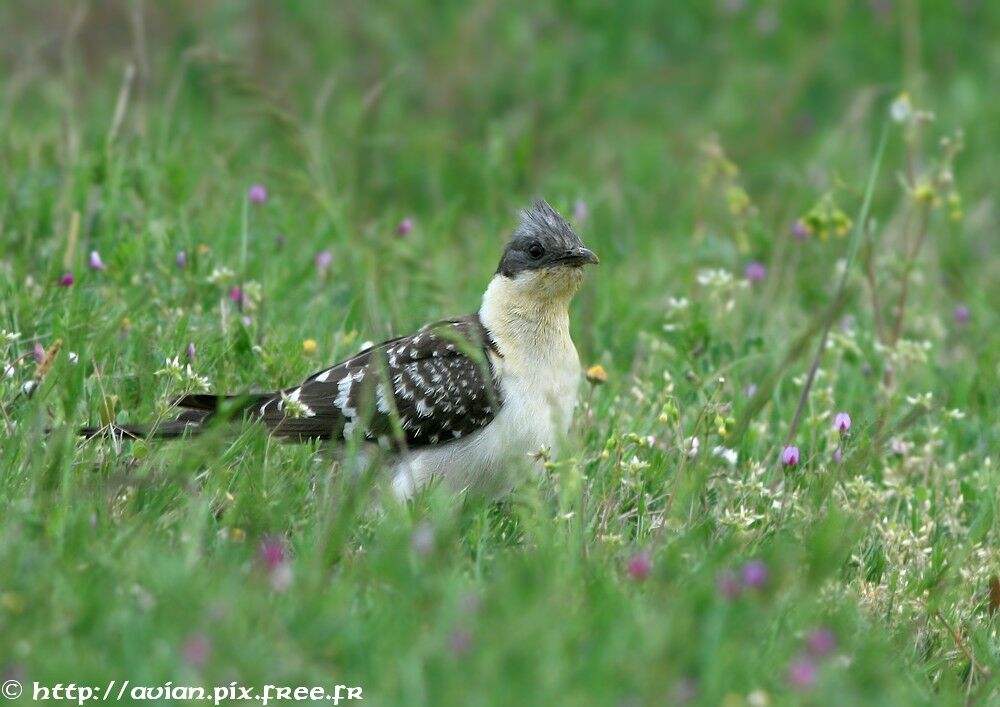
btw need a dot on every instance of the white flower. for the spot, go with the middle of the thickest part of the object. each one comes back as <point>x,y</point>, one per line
<point>901,109</point>
<point>730,455</point>
<point>691,446</point>
<point>9,336</point>
<point>220,275</point>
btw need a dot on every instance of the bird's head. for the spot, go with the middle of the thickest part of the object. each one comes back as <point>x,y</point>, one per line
<point>544,258</point>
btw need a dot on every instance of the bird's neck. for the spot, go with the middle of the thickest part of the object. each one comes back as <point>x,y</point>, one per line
<point>525,323</point>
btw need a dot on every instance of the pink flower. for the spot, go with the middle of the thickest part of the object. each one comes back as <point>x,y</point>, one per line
<point>802,673</point>
<point>272,552</point>
<point>94,262</point>
<point>404,227</point>
<point>196,650</point>
<point>323,260</point>
<point>38,352</point>
<point>189,352</point>
<point>755,574</point>
<point>236,295</point>
<point>961,314</point>
<point>842,422</point>
<point>800,230</point>
<point>821,642</point>
<point>639,566</point>
<point>257,194</point>
<point>790,456</point>
<point>728,585</point>
<point>838,455</point>
<point>181,260</point>
<point>66,280</point>
<point>755,271</point>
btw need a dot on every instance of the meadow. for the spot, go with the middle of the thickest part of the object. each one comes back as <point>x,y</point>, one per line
<point>781,484</point>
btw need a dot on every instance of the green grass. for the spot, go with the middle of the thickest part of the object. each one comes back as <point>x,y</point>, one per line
<point>696,136</point>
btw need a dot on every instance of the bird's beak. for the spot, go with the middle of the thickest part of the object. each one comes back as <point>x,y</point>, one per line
<point>580,256</point>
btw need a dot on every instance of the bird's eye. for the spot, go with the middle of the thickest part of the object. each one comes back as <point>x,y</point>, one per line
<point>536,251</point>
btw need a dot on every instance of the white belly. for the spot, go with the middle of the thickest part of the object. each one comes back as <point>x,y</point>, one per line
<point>536,413</point>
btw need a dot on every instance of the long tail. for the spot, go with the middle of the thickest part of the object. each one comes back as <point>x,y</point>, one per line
<point>197,410</point>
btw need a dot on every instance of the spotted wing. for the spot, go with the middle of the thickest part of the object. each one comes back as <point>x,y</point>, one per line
<point>429,388</point>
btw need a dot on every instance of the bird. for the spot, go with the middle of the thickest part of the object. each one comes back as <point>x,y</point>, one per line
<point>462,401</point>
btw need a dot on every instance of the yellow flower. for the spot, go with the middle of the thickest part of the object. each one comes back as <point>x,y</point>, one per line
<point>309,347</point>
<point>597,375</point>
<point>202,249</point>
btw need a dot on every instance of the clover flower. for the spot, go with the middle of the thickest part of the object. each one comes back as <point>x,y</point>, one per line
<point>790,456</point>
<point>755,271</point>
<point>842,422</point>
<point>94,261</point>
<point>257,194</point>
<point>67,280</point>
<point>405,227</point>
<point>639,566</point>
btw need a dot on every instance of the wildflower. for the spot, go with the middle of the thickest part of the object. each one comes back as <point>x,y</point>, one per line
<point>821,642</point>
<point>750,390</point>
<point>580,210</point>
<point>196,649</point>
<point>801,230</point>
<point>66,280</point>
<point>9,336</point>
<point>730,455</point>
<point>203,249</point>
<point>639,566</point>
<point>838,455</point>
<point>802,673</point>
<point>728,585</point>
<point>323,261</point>
<point>422,538</point>
<point>460,641</point>
<point>755,271</point>
<point>272,552</point>
<point>755,574</point>
<point>901,109</point>
<point>596,375</point>
<point>790,456</point>
<point>94,262</point>
<point>38,353</point>
<point>405,227</point>
<point>961,314</point>
<point>309,347</point>
<point>189,352</point>
<point>273,556</point>
<point>220,275</point>
<point>74,357</point>
<point>181,259</point>
<point>691,446</point>
<point>842,422</point>
<point>257,194</point>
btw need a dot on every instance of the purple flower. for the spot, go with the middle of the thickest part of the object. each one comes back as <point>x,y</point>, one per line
<point>272,552</point>
<point>580,210</point>
<point>802,673</point>
<point>236,295</point>
<point>94,262</point>
<point>755,271</point>
<point>181,259</point>
<point>750,389</point>
<point>67,280</point>
<point>728,585</point>
<point>196,650</point>
<point>323,260</point>
<point>838,455</point>
<point>790,456</point>
<point>639,566</point>
<point>821,642</point>
<point>404,227</point>
<point>755,574</point>
<point>189,352</point>
<point>257,194</point>
<point>38,352</point>
<point>460,641</point>
<point>800,230</point>
<point>422,538</point>
<point>961,314</point>
<point>842,422</point>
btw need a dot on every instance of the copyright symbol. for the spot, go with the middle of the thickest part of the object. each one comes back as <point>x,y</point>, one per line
<point>11,689</point>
